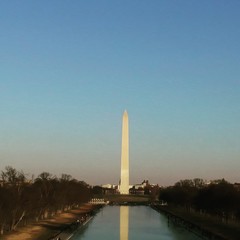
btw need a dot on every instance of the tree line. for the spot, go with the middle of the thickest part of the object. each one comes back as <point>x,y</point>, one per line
<point>23,201</point>
<point>219,198</point>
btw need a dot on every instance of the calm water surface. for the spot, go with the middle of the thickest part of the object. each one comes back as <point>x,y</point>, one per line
<point>132,223</point>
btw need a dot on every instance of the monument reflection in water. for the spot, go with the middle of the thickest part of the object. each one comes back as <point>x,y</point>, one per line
<point>124,216</point>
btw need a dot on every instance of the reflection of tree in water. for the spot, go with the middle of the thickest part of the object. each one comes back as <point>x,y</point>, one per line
<point>180,233</point>
<point>124,216</point>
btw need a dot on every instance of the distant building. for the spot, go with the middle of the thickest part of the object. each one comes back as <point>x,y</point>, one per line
<point>139,189</point>
<point>237,186</point>
<point>109,188</point>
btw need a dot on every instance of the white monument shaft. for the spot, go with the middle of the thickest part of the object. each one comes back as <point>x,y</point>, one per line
<point>124,185</point>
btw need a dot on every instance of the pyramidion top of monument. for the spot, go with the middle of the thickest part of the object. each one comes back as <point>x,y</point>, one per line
<point>125,113</point>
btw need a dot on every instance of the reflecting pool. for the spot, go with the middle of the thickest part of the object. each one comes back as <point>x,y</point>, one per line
<point>132,223</point>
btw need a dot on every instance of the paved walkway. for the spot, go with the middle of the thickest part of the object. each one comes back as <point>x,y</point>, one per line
<point>44,229</point>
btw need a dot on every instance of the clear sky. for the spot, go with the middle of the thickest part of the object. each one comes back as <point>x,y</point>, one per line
<point>69,69</point>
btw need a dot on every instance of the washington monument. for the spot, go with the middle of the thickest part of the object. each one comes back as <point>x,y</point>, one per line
<point>124,184</point>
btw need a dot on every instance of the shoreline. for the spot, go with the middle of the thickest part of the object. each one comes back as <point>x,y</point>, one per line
<point>68,235</point>
<point>69,232</point>
<point>51,228</point>
<point>203,226</point>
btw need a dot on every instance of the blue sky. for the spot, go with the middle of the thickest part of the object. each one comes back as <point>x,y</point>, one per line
<point>68,70</point>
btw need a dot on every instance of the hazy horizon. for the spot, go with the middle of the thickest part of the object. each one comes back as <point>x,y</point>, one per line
<point>69,70</point>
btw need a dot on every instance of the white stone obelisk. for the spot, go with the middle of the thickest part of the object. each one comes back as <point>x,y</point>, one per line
<point>124,184</point>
